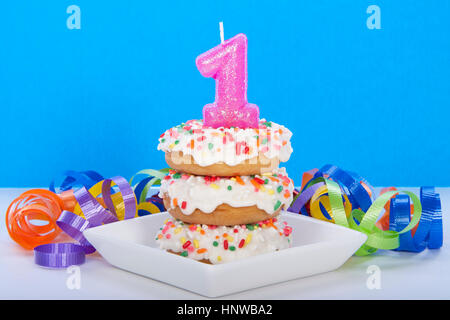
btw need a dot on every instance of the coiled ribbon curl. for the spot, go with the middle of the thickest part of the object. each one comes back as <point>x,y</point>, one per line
<point>86,200</point>
<point>145,180</point>
<point>345,198</point>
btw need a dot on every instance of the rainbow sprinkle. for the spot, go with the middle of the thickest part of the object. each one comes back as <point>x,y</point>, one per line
<point>242,237</point>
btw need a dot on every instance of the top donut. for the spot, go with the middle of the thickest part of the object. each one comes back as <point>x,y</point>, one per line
<point>194,148</point>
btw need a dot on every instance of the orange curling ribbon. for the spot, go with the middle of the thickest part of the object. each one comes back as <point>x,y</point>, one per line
<point>308,176</point>
<point>369,191</point>
<point>31,218</point>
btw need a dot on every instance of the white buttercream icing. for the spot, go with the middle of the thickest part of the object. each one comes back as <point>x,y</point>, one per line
<point>220,244</point>
<point>231,146</point>
<point>269,192</point>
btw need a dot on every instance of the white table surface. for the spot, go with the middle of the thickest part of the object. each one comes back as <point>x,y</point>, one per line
<point>403,275</point>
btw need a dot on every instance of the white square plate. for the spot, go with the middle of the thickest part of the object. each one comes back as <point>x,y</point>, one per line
<point>317,247</point>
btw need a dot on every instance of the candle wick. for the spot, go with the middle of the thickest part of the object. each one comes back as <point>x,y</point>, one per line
<point>222,37</point>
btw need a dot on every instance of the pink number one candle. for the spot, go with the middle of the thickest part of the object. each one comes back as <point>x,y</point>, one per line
<point>227,64</point>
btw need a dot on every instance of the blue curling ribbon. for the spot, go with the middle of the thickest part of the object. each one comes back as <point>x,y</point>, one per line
<point>153,199</point>
<point>157,201</point>
<point>141,185</point>
<point>429,233</point>
<point>436,235</point>
<point>356,193</point>
<point>74,179</point>
<point>359,178</point>
<point>149,180</point>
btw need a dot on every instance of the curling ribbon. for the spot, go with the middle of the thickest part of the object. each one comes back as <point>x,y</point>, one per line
<point>73,211</point>
<point>30,206</point>
<point>428,233</point>
<point>345,198</point>
<point>73,179</point>
<point>145,180</point>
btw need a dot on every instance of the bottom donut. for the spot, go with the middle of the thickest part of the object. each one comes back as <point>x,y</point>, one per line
<point>221,244</point>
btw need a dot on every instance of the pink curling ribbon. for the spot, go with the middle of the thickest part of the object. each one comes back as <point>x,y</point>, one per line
<point>227,64</point>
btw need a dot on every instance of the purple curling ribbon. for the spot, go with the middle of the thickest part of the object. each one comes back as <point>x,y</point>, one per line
<point>61,255</point>
<point>94,212</point>
<point>127,192</point>
<point>74,226</point>
<point>304,197</point>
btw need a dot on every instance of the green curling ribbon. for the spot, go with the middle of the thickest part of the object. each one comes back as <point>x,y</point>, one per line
<point>365,221</point>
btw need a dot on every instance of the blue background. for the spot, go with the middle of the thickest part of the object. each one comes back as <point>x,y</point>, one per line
<point>372,101</point>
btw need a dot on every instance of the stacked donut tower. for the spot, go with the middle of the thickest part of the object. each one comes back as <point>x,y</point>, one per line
<point>225,190</point>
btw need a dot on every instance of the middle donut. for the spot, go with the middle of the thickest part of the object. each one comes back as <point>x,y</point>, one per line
<point>226,201</point>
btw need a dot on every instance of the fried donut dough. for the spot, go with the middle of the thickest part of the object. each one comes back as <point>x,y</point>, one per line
<point>256,165</point>
<point>223,215</point>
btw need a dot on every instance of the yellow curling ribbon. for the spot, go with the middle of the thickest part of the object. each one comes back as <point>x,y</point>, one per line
<point>149,207</point>
<point>320,198</point>
<point>116,198</point>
